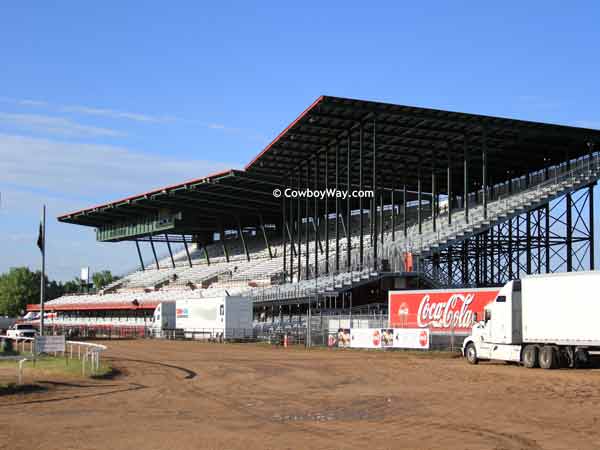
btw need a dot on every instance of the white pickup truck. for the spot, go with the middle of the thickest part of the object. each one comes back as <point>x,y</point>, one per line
<point>21,330</point>
<point>546,321</point>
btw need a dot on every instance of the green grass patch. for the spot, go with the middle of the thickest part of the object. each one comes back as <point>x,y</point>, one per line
<point>45,366</point>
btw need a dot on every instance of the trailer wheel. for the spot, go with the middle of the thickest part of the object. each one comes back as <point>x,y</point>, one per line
<point>548,357</point>
<point>530,356</point>
<point>582,358</point>
<point>471,354</point>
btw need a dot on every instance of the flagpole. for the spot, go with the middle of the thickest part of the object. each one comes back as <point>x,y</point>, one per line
<point>43,279</point>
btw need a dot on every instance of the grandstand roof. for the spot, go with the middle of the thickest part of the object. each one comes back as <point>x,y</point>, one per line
<point>406,138</point>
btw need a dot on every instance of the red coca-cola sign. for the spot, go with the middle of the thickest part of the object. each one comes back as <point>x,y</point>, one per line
<point>423,338</point>
<point>439,310</point>
<point>376,338</point>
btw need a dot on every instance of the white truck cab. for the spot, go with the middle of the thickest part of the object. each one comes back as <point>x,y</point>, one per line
<point>21,330</point>
<point>491,338</point>
<point>544,321</point>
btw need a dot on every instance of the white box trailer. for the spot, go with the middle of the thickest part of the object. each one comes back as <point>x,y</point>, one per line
<point>164,318</point>
<point>542,320</point>
<point>217,317</point>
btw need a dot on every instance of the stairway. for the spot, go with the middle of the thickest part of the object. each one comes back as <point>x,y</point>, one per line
<point>429,241</point>
<point>586,170</point>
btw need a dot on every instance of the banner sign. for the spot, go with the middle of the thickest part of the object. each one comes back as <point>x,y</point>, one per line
<point>49,344</point>
<point>413,338</point>
<point>439,310</point>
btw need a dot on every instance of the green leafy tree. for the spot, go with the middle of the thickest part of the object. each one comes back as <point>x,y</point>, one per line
<point>18,288</point>
<point>71,286</point>
<point>103,278</point>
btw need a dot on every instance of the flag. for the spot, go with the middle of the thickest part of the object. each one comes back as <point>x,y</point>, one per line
<point>40,241</point>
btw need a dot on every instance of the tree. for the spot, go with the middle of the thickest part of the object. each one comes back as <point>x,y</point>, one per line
<point>18,288</point>
<point>71,286</point>
<point>103,278</point>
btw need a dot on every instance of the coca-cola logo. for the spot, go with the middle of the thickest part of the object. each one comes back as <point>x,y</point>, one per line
<point>451,313</point>
<point>376,338</point>
<point>423,339</point>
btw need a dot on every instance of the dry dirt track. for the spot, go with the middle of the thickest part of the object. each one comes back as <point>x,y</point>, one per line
<point>186,395</point>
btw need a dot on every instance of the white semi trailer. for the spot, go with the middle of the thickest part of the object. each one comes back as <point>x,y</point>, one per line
<point>226,317</point>
<point>164,318</point>
<point>546,321</point>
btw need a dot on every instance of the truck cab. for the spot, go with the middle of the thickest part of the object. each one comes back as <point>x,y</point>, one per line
<point>21,330</point>
<point>498,335</point>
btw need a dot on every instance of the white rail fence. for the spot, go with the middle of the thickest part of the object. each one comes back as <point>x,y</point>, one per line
<point>88,353</point>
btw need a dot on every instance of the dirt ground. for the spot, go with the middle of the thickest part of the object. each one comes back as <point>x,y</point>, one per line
<point>187,395</point>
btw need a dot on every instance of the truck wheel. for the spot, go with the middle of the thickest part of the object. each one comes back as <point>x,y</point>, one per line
<point>471,354</point>
<point>548,357</point>
<point>530,356</point>
<point>582,358</point>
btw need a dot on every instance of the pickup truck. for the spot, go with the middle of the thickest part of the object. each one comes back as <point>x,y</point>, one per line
<point>21,330</point>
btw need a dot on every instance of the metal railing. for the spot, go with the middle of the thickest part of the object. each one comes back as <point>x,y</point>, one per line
<point>87,352</point>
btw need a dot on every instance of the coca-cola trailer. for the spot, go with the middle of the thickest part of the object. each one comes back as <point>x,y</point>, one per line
<point>546,321</point>
<point>442,311</point>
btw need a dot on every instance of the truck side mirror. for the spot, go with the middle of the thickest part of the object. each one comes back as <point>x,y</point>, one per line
<point>475,317</point>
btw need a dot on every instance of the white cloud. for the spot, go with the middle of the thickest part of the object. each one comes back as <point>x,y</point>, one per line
<point>126,115</point>
<point>90,170</point>
<point>113,114</point>
<point>66,177</point>
<point>54,125</point>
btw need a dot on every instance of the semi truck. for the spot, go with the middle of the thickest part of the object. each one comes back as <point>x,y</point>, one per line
<point>546,321</point>
<point>226,317</point>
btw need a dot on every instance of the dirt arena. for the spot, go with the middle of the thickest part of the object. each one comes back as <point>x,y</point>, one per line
<point>186,395</point>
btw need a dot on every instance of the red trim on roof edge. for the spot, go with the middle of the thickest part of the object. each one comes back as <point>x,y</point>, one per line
<point>197,180</point>
<point>94,307</point>
<point>155,191</point>
<point>274,141</point>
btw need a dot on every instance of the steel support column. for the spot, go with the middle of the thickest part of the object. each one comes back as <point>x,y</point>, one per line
<point>206,254</point>
<point>241,234</point>
<point>360,200</point>
<point>484,174</point>
<point>315,218</point>
<point>348,208</point>
<point>299,229</point>
<point>139,252</point>
<point>264,233</point>
<point>528,243</point>
<point>404,210</point>
<point>449,184</point>
<point>337,208</point>
<point>374,214</point>
<point>223,243</point>
<point>153,251</point>
<point>284,237</point>
<point>326,215</point>
<point>591,224</point>
<point>307,215</point>
<point>381,221</point>
<point>187,250</point>
<point>170,250</point>
<point>290,228</point>
<point>569,225</point>
<point>419,199</point>
<point>466,177</point>
<point>433,194</point>
<point>393,218</point>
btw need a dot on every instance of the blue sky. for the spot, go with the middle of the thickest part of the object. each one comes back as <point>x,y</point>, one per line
<point>102,100</point>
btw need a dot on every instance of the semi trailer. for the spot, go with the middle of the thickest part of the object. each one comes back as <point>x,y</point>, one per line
<point>547,321</point>
<point>226,317</point>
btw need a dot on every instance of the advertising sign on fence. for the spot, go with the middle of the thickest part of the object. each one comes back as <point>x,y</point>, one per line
<point>413,338</point>
<point>49,344</point>
<point>445,310</point>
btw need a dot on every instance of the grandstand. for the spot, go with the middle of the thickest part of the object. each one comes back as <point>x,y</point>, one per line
<point>458,200</point>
